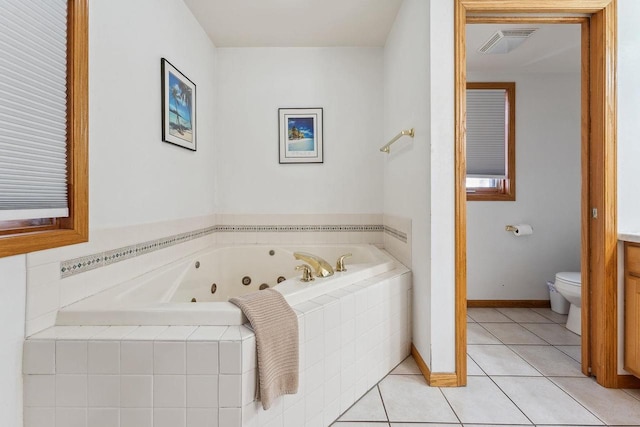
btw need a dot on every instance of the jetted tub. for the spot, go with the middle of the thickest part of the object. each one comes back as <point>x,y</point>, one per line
<point>212,276</point>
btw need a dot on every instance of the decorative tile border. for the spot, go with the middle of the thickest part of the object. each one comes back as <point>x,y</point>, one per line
<point>396,233</point>
<point>79,265</point>
<point>119,254</point>
<point>82,264</point>
<point>297,228</point>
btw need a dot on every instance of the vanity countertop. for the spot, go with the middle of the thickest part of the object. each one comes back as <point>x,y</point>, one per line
<point>629,236</point>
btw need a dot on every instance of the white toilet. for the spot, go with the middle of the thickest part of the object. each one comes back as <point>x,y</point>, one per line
<point>569,286</point>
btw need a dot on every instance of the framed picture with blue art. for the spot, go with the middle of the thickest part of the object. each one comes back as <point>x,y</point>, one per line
<point>300,135</point>
<point>178,107</point>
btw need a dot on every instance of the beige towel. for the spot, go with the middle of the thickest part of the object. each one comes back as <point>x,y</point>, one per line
<point>276,327</point>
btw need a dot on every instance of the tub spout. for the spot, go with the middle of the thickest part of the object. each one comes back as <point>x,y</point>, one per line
<point>321,267</point>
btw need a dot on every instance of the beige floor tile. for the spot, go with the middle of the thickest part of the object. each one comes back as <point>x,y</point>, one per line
<point>473,368</point>
<point>553,334</point>
<point>470,320</point>
<point>512,333</point>
<point>550,361</point>
<point>476,334</point>
<point>523,315</point>
<point>359,424</point>
<point>500,360</point>
<point>614,407</point>
<point>551,315</point>
<point>408,366</point>
<point>498,425</point>
<point>424,425</point>
<point>634,392</point>
<point>481,401</point>
<point>486,315</point>
<point>573,351</point>
<point>368,408</point>
<point>408,398</point>
<point>543,402</point>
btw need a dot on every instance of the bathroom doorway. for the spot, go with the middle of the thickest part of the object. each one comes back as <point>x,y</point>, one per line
<point>598,161</point>
<point>523,166</point>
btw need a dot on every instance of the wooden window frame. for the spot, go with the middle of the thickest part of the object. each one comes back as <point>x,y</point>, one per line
<point>75,228</point>
<point>506,190</point>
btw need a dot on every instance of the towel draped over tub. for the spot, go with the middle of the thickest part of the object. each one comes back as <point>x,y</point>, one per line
<point>276,327</point>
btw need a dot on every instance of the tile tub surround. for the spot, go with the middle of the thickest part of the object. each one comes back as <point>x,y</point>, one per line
<point>47,292</point>
<point>397,238</point>
<point>115,255</point>
<point>294,228</point>
<point>193,376</point>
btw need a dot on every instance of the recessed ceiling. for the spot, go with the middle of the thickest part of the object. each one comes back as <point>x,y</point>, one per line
<point>303,23</point>
<point>553,48</point>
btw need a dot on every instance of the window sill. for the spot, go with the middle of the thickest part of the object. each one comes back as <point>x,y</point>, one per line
<point>490,197</point>
<point>17,244</point>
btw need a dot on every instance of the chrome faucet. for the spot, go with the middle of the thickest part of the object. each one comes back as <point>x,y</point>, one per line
<point>321,267</point>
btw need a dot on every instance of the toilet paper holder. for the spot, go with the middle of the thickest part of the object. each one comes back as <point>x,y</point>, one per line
<point>511,228</point>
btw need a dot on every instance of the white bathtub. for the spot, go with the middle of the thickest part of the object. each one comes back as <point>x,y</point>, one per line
<point>163,297</point>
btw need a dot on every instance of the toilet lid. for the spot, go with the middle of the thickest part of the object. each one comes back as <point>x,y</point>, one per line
<point>570,277</point>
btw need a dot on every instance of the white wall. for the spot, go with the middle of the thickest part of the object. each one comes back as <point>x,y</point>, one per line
<point>628,115</point>
<point>442,188</point>
<point>499,265</point>
<point>136,178</point>
<point>140,188</point>
<point>419,179</point>
<point>407,180</point>
<point>12,309</point>
<point>252,84</point>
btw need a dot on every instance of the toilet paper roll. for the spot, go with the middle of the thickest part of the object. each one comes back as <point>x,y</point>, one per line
<point>523,230</point>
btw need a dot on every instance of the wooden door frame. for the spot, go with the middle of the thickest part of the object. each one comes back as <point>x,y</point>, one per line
<point>599,187</point>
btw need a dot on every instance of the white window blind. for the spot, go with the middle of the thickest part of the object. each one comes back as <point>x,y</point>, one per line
<point>33,109</point>
<point>487,133</point>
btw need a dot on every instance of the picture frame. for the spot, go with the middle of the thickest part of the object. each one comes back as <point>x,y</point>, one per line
<point>300,135</point>
<point>178,107</point>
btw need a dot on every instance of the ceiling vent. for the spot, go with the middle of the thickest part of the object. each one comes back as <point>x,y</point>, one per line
<point>504,41</point>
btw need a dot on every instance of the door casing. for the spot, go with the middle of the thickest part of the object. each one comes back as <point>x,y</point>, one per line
<point>598,161</point>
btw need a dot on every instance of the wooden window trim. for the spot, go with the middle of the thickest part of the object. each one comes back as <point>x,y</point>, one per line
<point>506,192</point>
<point>75,228</point>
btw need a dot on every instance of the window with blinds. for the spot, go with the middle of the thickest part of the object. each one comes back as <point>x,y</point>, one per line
<point>44,104</point>
<point>33,109</point>
<point>490,141</point>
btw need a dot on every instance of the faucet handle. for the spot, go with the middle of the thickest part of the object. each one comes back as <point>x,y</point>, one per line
<point>307,276</point>
<point>340,262</point>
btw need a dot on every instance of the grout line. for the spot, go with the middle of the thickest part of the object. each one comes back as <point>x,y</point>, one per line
<point>540,336</point>
<point>576,400</point>
<point>337,420</point>
<point>382,400</point>
<point>511,400</point>
<point>528,376</point>
<point>489,332</point>
<point>552,320</point>
<point>525,360</point>
<point>478,365</point>
<point>631,394</point>
<point>567,354</point>
<point>450,406</point>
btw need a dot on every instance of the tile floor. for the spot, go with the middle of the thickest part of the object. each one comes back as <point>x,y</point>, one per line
<point>524,369</point>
